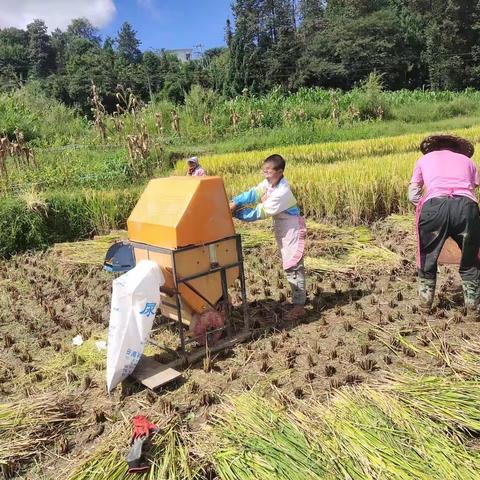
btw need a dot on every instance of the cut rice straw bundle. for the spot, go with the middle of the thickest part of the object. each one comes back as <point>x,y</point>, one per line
<point>450,401</point>
<point>29,425</point>
<point>168,457</point>
<point>465,363</point>
<point>362,433</point>
<point>259,441</point>
<point>252,238</point>
<point>442,449</point>
<point>364,436</point>
<point>323,264</point>
<point>88,252</point>
<point>383,438</point>
<point>358,256</point>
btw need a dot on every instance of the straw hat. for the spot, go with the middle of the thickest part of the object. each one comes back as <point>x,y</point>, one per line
<point>447,142</point>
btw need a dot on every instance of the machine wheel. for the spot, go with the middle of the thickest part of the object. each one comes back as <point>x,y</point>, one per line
<point>203,323</point>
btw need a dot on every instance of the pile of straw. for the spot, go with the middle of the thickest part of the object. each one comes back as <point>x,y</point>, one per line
<point>409,429</point>
<point>167,456</point>
<point>29,426</point>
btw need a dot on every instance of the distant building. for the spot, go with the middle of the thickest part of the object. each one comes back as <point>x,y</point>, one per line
<point>183,54</point>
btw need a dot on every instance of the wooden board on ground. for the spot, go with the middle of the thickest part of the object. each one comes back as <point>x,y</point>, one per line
<point>153,374</point>
<point>450,254</point>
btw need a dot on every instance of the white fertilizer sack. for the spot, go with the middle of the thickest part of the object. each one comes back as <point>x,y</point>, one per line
<point>135,300</point>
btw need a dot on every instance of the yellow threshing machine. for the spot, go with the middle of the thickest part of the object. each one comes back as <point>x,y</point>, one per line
<point>185,225</point>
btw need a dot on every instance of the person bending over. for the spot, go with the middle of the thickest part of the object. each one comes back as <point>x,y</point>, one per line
<point>274,198</point>
<point>443,190</point>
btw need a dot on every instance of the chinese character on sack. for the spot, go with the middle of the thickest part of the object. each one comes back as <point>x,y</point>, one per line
<point>148,309</point>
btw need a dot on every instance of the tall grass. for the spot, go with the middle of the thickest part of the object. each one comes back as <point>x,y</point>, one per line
<point>70,152</point>
<point>61,216</point>
<point>322,131</point>
<point>107,167</point>
<point>74,168</point>
<point>311,108</point>
<point>47,122</point>
<point>44,121</point>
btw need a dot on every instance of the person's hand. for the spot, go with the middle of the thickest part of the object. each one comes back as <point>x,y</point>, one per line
<point>233,206</point>
<point>264,197</point>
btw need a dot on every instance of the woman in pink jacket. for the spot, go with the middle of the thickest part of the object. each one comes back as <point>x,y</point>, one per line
<point>443,189</point>
<point>194,168</point>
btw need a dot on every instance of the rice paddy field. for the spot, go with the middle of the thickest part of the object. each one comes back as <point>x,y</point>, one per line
<point>365,387</point>
<point>349,182</point>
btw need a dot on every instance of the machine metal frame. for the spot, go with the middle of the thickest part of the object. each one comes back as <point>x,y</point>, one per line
<point>214,268</point>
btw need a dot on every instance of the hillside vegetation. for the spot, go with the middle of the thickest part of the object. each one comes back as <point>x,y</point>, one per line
<point>349,154</point>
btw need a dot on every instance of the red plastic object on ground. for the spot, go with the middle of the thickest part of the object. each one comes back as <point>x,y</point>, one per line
<point>142,429</point>
<point>203,323</point>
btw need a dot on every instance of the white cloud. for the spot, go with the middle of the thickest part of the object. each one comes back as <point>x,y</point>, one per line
<point>150,6</point>
<point>55,13</point>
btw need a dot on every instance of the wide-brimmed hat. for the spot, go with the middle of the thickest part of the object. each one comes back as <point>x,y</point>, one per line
<point>447,142</point>
<point>193,160</point>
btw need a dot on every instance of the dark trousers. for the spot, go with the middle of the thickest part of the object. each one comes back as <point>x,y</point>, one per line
<point>457,217</point>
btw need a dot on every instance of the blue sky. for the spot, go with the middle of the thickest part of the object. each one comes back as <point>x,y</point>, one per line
<point>172,23</point>
<point>160,23</point>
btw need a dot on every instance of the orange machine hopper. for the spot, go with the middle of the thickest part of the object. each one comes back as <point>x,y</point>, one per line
<point>179,211</point>
<point>185,225</point>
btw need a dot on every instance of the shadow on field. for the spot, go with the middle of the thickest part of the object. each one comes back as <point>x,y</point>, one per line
<point>268,314</point>
<point>267,317</point>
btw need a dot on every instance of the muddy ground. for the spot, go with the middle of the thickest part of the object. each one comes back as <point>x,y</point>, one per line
<point>362,325</point>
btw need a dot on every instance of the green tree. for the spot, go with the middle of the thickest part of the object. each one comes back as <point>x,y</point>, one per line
<point>88,63</point>
<point>247,66</point>
<point>39,50</point>
<point>451,40</point>
<point>153,75</point>
<point>312,58</point>
<point>357,37</point>
<point>373,42</point>
<point>413,23</point>
<point>108,45</point>
<point>128,67</point>
<point>59,41</point>
<point>172,74</point>
<point>284,46</point>
<point>312,16</point>
<point>81,27</point>
<point>217,67</point>
<point>228,33</point>
<point>128,44</point>
<point>475,68</point>
<point>14,57</point>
